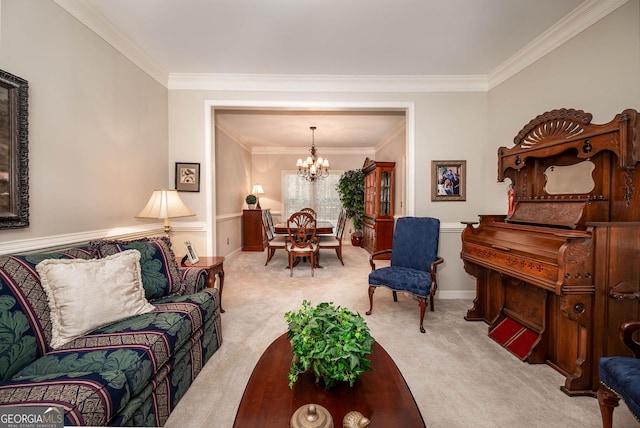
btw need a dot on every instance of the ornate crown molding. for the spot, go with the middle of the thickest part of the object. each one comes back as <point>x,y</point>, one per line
<point>581,18</point>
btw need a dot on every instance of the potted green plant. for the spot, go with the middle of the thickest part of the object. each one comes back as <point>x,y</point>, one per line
<point>251,201</point>
<point>351,192</point>
<point>331,341</point>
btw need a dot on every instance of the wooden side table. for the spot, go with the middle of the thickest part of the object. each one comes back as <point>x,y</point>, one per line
<point>214,266</point>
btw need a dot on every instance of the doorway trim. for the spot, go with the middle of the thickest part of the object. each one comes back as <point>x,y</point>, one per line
<point>210,106</point>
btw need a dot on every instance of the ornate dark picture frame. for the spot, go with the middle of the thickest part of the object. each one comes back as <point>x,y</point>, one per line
<point>187,177</point>
<point>14,151</point>
<point>449,180</point>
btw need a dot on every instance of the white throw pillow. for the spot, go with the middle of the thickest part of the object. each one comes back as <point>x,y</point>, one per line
<point>86,294</point>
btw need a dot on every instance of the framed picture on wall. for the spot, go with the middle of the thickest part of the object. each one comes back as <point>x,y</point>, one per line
<point>449,180</point>
<point>14,149</point>
<point>187,177</point>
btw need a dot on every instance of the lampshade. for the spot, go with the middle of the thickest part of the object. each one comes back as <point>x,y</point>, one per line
<point>257,190</point>
<point>165,204</point>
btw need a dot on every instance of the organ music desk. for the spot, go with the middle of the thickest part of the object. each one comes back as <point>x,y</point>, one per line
<point>556,277</point>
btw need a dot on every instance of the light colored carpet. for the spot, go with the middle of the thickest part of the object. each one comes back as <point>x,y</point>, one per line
<point>457,374</point>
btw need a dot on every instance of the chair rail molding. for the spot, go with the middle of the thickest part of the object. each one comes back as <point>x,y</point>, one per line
<point>68,240</point>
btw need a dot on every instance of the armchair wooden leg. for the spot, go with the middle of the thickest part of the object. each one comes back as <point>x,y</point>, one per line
<point>371,291</point>
<point>423,306</point>
<point>607,400</point>
<point>339,253</point>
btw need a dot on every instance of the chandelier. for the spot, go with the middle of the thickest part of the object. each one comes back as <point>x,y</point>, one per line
<point>314,167</point>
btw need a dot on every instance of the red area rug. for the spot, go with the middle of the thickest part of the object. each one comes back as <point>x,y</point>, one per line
<point>515,337</point>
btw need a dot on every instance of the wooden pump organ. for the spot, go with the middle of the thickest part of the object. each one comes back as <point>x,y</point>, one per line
<point>559,274</point>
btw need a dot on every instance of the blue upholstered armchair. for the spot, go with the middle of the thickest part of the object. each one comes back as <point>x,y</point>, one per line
<point>620,377</point>
<point>414,260</point>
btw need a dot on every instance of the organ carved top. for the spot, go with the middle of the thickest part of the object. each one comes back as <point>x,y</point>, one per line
<point>561,130</point>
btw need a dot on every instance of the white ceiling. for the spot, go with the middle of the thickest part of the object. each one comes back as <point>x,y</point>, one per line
<point>348,38</point>
<point>333,37</point>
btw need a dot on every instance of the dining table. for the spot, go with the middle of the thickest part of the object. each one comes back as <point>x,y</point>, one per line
<point>322,228</point>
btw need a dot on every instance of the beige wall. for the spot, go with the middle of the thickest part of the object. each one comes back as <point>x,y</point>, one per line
<point>597,71</point>
<point>233,178</point>
<point>97,124</point>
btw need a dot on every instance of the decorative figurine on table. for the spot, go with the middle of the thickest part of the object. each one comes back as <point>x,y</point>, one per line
<point>355,419</point>
<point>311,416</point>
<point>511,193</point>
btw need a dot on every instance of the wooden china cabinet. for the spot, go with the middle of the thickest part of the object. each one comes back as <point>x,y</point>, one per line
<point>379,187</point>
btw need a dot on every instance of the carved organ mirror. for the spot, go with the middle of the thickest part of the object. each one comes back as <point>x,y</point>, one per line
<point>571,179</point>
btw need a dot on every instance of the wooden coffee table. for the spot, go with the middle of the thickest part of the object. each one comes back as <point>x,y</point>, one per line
<point>382,395</point>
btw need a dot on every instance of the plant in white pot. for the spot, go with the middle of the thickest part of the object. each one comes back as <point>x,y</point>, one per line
<point>251,201</point>
<point>350,189</point>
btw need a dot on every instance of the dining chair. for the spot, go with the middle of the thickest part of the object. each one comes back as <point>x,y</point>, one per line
<point>310,211</point>
<point>414,260</point>
<point>335,241</point>
<point>274,242</point>
<point>301,239</point>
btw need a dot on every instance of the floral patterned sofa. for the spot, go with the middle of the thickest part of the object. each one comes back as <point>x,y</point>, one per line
<point>131,371</point>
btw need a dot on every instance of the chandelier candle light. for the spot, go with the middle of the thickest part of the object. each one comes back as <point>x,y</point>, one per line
<point>314,167</point>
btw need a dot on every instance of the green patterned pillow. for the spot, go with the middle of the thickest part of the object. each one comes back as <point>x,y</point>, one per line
<point>160,274</point>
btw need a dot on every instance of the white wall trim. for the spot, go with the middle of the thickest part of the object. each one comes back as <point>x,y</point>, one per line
<point>228,217</point>
<point>71,239</point>
<point>584,16</point>
<point>97,23</point>
<point>451,227</point>
<point>325,83</point>
<point>410,156</point>
<point>456,294</point>
<point>581,18</point>
<point>212,105</point>
<point>209,176</point>
<point>369,151</point>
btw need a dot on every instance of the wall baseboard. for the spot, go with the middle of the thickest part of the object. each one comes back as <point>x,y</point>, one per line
<point>456,294</point>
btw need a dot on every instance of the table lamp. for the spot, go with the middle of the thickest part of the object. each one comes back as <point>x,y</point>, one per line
<point>257,190</point>
<point>165,204</point>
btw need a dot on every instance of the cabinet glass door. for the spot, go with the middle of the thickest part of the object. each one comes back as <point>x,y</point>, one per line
<point>385,193</point>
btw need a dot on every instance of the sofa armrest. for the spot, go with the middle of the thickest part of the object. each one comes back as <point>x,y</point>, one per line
<point>194,279</point>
